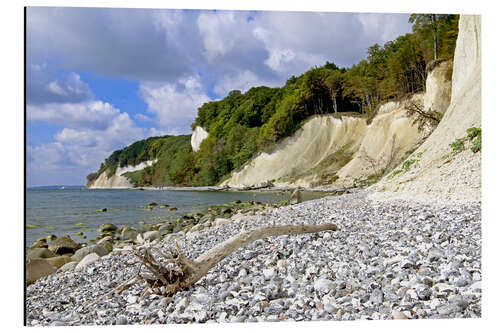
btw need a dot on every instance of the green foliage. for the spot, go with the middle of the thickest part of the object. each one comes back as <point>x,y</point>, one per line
<point>473,135</point>
<point>436,34</point>
<point>473,132</point>
<point>406,166</point>
<point>133,177</point>
<point>476,144</point>
<point>92,176</point>
<point>458,145</point>
<point>137,152</point>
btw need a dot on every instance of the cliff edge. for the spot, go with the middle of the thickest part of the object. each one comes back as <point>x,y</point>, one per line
<point>438,169</point>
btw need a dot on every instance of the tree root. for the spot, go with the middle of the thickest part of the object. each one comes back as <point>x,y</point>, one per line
<point>180,273</point>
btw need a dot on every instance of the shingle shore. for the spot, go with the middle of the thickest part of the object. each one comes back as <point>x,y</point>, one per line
<point>389,258</point>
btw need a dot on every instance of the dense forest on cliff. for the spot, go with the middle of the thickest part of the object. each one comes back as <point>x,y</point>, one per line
<point>244,124</point>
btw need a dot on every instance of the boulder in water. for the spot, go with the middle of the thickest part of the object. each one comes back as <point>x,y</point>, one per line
<point>64,244</point>
<point>107,227</point>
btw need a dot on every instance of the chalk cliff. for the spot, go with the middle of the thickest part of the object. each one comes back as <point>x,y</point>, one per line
<point>342,150</point>
<point>197,137</point>
<point>117,180</point>
<point>436,171</point>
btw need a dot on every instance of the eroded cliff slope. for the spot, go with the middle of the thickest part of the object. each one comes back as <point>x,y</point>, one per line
<point>437,168</point>
<point>343,150</point>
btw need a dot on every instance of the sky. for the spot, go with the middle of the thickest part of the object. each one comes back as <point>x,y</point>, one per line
<point>98,79</point>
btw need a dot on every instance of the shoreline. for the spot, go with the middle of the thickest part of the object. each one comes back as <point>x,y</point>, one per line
<point>332,189</point>
<point>273,279</point>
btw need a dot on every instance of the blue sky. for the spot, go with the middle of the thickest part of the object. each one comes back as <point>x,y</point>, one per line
<point>99,79</point>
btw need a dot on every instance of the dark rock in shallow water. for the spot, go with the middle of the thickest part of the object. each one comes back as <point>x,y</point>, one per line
<point>107,227</point>
<point>64,244</point>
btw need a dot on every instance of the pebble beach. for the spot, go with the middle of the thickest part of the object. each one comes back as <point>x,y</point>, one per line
<point>389,259</point>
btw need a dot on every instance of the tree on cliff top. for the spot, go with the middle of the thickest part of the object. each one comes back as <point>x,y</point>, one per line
<point>439,29</point>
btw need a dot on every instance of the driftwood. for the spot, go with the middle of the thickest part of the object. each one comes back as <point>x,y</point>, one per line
<point>180,273</point>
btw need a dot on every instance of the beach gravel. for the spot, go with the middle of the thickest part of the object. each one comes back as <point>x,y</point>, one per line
<point>390,259</point>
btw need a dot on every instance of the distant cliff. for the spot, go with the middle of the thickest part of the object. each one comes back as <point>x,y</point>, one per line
<point>117,179</point>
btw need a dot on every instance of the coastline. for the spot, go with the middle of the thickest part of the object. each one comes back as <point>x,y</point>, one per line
<point>332,189</point>
<point>437,276</point>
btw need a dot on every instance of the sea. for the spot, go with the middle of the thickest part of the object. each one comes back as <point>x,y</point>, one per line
<point>73,210</point>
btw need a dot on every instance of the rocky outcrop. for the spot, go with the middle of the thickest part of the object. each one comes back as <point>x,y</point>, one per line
<point>118,180</point>
<point>197,137</point>
<point>436,170</point>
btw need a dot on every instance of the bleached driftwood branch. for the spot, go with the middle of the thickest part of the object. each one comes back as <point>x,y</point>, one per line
<point>185,272</point>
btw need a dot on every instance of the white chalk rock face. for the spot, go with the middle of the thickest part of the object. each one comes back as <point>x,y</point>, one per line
<point>197,137</point>
<point>467,57</point>
<point>306,148</point>
<point>117,180</point>
<point>463,174</point>
<point>390,134</point>
<point>438,88</point>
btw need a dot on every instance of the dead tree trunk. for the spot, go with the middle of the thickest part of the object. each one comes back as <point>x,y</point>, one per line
<point>185,272</point>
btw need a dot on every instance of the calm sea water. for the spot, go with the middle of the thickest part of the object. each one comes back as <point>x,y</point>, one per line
<point>67,211</point>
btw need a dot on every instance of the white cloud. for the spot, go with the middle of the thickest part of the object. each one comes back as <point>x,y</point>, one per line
<point>243,81</point>
<point>175,105</point>
<point>142,117</point>
<point>92,114</point>
<point>383,27</point>
<point>217,30</point>
<point>45,85</point>
<point>55,88</point>
<point>80,146</point>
